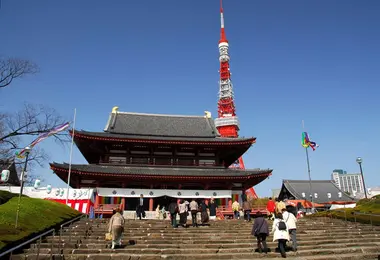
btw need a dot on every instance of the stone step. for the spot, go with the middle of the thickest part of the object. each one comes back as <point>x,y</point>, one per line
<point>154,239</point>
<point>305,222</point>
<point>227,234</point>
<point>359,256</point>
<point>150,236</point>
<point>224,227</point>
<point>315,226</point>
<point>221,223</point>
<point>198,230</point>
<point>304,254</point>
<point>163,249</point>
<point>251,244</point>
<point>229,239</point>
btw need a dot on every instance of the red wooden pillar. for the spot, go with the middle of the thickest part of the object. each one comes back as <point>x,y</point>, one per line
<point>97,200</point>
<point>122,203</point>
<point>123,198</point>
<point>151,204</point>
<point>229,203</point>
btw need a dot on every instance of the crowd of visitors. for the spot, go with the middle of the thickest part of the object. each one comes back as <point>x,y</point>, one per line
<point>284,227</point>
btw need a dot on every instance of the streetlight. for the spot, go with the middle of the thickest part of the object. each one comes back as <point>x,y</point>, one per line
<point>27,151</point>
<point>359,160</point>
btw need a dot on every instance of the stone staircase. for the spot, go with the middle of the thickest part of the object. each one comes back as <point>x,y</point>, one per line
<point>321,239</point>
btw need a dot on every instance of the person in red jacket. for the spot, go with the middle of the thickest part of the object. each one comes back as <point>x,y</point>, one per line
<point>271,206</point>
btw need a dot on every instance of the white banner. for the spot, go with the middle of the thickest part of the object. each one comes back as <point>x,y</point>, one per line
<point>152,193</point>
<point>54,193</point>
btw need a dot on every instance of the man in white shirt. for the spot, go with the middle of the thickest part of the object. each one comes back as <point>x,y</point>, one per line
<point>194,210</point>
<point>291,221</point>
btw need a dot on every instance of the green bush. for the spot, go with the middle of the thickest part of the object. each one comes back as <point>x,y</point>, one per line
<point>371,206</point>
<point>36,215</point>
<point>259,202</point>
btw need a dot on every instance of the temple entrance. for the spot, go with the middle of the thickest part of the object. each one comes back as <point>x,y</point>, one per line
<point>131,203</point>
<point>163,201</point>
<point>166,200</point>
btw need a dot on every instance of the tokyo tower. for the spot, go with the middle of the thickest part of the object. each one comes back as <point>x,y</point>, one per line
<point>227,122</point>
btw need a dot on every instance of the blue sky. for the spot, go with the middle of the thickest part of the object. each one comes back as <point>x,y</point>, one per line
<point>295,60</point>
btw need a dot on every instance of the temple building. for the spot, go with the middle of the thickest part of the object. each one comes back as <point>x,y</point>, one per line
<point>9,166</point>
<point>161,157</point>
<point>322,192</point>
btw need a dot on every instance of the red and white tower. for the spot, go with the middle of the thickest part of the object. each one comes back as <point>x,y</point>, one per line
<point>227,122</point>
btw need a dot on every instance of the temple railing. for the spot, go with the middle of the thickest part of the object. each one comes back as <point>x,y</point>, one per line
<point>227,211</point>
<point>105,209</point>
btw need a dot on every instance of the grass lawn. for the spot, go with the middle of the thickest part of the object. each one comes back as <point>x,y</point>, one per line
<point>35,216</point>
<point>363,206</point>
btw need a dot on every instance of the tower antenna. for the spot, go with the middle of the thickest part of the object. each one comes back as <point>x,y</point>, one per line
<point>222,31</point>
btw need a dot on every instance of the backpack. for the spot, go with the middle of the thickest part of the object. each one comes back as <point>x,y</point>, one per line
<point>281,225</point>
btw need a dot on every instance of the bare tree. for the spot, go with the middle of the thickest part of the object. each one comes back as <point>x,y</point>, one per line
<point>17,130</point>
<point>12,68</point>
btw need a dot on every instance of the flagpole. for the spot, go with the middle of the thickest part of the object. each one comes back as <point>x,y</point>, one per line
<point>309,172</point>
<point>71,157</point>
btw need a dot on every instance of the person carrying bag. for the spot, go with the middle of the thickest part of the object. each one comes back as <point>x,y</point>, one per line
<point>260,230</point>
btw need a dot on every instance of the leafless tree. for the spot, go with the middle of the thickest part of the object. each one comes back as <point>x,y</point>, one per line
<point>13,68</point>
<point>17,130</point>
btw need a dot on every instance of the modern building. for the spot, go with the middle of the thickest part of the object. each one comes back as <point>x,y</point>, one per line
<point>340,171</point>
<point>351,183</point>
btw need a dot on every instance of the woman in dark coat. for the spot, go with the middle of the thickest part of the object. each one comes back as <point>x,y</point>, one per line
<point>204,214</point>
<point>260,230</point>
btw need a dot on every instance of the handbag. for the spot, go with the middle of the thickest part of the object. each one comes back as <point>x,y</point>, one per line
<point>108,237</point>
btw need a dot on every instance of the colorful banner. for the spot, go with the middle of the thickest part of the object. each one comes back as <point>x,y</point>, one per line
<point>235,197</point>
<point>109,200</point>
<point>306,142</point>
<point>222,202</point>
<point>42,137</point>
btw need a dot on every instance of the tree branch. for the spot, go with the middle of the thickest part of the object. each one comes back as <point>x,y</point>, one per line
<point>17,128</point>
<point>13,68</point>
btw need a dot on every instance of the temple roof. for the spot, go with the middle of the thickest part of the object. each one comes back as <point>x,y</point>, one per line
<point>159,171</point>
<point>161,125</point>
<point>298,188</point>
<point>117,176</point>
<point>9,164</point>
<point>160,139</point>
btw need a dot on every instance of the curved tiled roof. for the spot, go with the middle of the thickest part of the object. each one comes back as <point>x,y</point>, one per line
<point>159,171</point>
<point>161,125</point>
<point>322,187</point>
<point>165,139</point>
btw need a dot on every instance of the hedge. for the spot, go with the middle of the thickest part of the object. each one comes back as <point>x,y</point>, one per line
<point>369,206</point>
